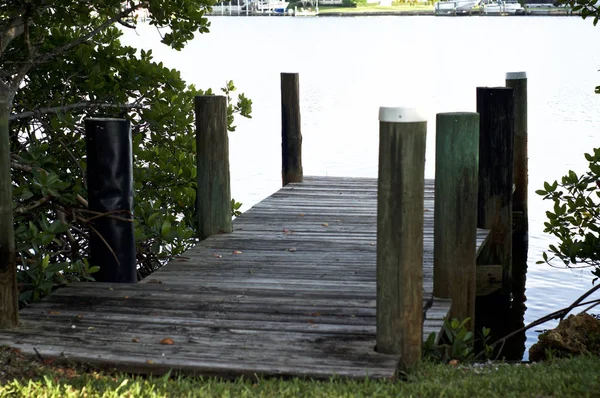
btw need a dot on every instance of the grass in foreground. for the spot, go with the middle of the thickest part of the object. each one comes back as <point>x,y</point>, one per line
<point>579,377</point>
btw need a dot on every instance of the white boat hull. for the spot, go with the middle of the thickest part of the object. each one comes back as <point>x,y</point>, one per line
<point>502,7</point>
<point>241,7</point>
<point>458,5</point>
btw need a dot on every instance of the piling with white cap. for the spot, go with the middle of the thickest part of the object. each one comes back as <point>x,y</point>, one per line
<point>400,195</point>
<point>455,223</point>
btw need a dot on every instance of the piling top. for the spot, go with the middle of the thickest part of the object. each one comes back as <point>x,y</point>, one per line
<point>400,115</point>
<point>106,119</point>
<point>516,75</point>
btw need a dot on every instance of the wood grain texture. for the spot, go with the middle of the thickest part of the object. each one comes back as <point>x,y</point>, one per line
<point>291,134</point>
<point>284,294</point>
<point>213,195</point>
<point>489,279</point>
<point>521,168</point>
<point>9,304</point>
<point>400,209</point>
<point>455,224</point>
<point>496,150</point>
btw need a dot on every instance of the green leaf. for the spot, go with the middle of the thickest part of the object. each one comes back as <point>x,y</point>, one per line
<point>165,229</point>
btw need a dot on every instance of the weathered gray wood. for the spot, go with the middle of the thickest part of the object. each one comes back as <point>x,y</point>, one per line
<point>455,226</point>
<point>240,365</point>
<point>435,316</point>
<point>518,82</point>
<point>400,236</point>
<point>9,303</point>
<point>496,149</point>
<point>489,279</point>
<point>291,134</point>
<point>267,310</point>
<point>213,197</point>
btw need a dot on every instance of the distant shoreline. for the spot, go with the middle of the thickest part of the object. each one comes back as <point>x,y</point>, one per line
<point>406,14</point>
<point>370,12</point>
<point>535,13</point>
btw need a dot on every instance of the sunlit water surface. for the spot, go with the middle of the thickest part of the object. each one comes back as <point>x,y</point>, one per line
<point>350,66</point>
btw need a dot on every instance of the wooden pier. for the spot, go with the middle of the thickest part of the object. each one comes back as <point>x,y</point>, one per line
<point>291,291</point>
<point>329,276</point>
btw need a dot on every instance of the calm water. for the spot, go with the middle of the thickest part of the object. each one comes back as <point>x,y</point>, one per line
<point>351,66</point>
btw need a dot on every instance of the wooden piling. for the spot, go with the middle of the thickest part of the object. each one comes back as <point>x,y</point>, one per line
<point>213,198</point>
<point>496,145</point>
<point>110,189</point>
<point>455,223</point>
<point>402,134</point>
<point>291,134</point>
<point>9,297</point>
<point>518,82</point>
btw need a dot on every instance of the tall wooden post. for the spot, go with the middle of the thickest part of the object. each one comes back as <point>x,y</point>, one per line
<point>9,298</point>
<point>518,82</point>
<point>455,223</point>
<point>400,195</point>
<point>213,197</point>
<point>110,189</point>
<point>291,134</point>
<point>496,147</point>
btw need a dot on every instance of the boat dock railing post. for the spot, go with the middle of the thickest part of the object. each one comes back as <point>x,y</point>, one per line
<point>400,196</point>
<point>496,150</point>
<point>455,223</point>
<point>213,195</point>
<point>110,189</point>
<point>291,134</point>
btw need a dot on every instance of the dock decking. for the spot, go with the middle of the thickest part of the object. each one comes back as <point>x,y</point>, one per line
<point>290,292</point>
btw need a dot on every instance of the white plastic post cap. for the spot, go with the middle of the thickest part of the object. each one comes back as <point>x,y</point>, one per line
<point>516,75</point>
<point>400,115</point>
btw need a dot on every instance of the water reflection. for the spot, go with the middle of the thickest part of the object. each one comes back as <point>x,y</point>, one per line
<point>503,314</point>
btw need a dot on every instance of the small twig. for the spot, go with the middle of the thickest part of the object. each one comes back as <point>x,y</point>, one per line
<point>66,148</point>
<point>592,306</point>
<point>577,302</point>
<point>81,200</point>
<point>103,240</point>
<point>21,167</point>
<point>126,24</point>
<point>108,215</point>
<point>554,315</point>
<point>41,358</point>
<point>37,203</point>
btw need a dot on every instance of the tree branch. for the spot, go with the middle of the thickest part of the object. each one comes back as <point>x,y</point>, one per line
<point>70,107</point>
<point>37,203</point>
<point>14,29</point>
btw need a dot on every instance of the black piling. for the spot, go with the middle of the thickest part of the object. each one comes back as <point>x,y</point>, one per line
<point>110,192</point>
